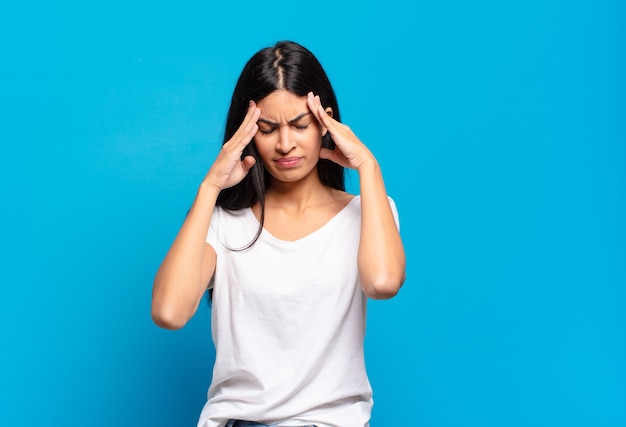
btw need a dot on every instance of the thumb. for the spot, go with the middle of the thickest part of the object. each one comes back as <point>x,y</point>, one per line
<point>247,163</point>
<point>328,154</point>
<point>335,156</point>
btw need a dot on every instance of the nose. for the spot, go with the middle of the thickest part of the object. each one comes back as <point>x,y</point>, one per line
<point>285,142</point>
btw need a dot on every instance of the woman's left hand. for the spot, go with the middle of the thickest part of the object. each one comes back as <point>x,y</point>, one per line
<point>350,152</point>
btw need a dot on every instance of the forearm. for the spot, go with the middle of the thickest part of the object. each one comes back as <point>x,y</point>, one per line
<point>185,271</point>
<point>381,258</point>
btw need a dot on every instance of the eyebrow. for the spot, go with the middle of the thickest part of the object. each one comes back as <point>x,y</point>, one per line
<point>292,121</point>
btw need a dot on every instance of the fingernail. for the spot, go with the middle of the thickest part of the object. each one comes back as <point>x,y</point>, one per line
<point>250,103</point>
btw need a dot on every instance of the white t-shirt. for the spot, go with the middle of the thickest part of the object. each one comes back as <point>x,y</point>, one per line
<point>288,323</point>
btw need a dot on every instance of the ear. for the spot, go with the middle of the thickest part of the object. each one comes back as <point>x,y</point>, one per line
<point>329,111</point>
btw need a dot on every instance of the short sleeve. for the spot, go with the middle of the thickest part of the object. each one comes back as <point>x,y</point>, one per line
<point>211,237</point>
<point>394,210</point>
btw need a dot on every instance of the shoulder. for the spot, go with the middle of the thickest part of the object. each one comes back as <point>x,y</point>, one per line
<point>356,204</point>
<point>232,228</point>
<point>342,198</point>
<point>230,213</point>
<point>356,199</point>
<point>225,219</point>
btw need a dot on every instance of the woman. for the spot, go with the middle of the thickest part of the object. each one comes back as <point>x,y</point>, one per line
<point>288,256</point>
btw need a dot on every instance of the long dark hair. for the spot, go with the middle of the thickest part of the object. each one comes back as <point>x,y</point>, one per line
<point>286,65</point>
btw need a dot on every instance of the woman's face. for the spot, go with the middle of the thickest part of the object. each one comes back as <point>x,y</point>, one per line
<point>289,138</point>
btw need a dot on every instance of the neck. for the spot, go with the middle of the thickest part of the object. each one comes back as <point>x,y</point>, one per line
<point>297,195</point>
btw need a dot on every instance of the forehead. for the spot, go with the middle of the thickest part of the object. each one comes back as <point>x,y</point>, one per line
<point>282,104</point>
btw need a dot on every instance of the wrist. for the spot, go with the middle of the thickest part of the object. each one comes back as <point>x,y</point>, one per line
<point>208,190</point>
<point>368,165</point>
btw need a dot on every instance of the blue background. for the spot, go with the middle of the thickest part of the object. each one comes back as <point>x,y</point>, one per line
<point>501,130</point>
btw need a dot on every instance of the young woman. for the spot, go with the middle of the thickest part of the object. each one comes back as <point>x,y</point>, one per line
<point>288,256</point>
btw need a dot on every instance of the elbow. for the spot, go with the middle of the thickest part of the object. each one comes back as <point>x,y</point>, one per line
<point>172,309</point>
<point>167,318</point>
<point>383,288</point>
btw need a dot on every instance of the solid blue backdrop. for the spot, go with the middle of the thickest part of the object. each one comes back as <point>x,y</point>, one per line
<point>501,130</point>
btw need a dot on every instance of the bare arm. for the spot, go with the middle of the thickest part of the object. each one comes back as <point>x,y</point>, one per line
<point>381,252</point>
<point>185,272</point>
<point>381,258</point>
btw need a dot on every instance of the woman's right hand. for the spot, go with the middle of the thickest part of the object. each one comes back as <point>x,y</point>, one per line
<point>229,168</point>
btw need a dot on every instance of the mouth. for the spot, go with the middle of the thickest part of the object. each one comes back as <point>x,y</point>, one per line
<point>288,162</point>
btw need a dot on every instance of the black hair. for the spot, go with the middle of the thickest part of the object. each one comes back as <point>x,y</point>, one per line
<point>290,66</point>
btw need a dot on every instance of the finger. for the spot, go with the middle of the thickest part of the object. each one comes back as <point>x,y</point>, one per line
<point>315,105</point>
<point>327,119</point>
<point>247,163</point>
<point>255,113</point>
<point>252,116</point>
<point>334,156</point>
<point>249,113</point>
<point>248,127</point>
<point>328,154</point>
